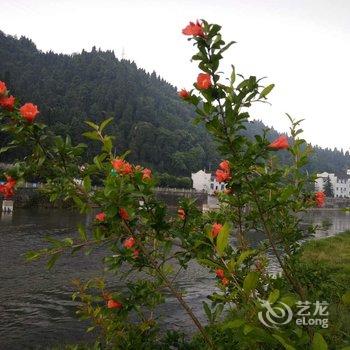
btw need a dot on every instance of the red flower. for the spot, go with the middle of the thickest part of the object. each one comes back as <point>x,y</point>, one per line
<point>100,217</point>
<point>8,188</point>
<point>184,94</point>
<point>181,214</point>
<point>203,81</point>
<point>220,273</point>
<point>29,112</point>
<point>3,88</point>
<point>114,304</point>
<point>222,176</point>
<point>7,102</point>
<point>320,199</point>
<point>129,243</point>
<point>216,228</point>
<point>280,143</point>
<point>225,165</point>
<point>194,29</point>
<point>225,281</point>
<point>146,174</point>
<point>121,166</point>
<point>135,253</point>
<point>124,214</point>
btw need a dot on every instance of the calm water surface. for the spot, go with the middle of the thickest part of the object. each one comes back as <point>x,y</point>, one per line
<point>36,311</point>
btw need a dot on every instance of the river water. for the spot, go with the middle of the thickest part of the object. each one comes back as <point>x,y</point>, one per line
<point>36,310</point>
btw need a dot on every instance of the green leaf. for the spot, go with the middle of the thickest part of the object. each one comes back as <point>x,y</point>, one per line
<point>105,123</point>
<point>82,232</point>
<point>5,149</point>
<point>244,255</point>
<point>283,342</point>
<point>31,256</point>
<point>273,297</point>
<point>92,135</point>
<point>267,90</point>
<point>346,298</point>
<point>209,263</point>
<point>234,324</point>
<point>87,183</point>
<point>53,260</point>
<point>233,75</point>
<point>250,281</point>
<point>222,238</point>
<point>318,342</point>
<point>92,125</point>
<point>107,144</point>
<point>207,311</point>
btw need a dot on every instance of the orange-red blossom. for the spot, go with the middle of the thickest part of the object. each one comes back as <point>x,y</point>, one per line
<point>121,166</point>
<point>29,111</point>
<point>100,217</point>
<point>114,304</point>
<point>223,174</point>
<point>181,214</point>
<point>7,189</point>
<point>280,143</point>
<point>204,81</point>
<point>320,199</point>
<point>129,243</point>
<point>194,29</point>
<point>184,94</point>
<point>215,230</point>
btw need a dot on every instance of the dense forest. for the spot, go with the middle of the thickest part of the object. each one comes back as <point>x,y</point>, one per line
<point>149,118</point>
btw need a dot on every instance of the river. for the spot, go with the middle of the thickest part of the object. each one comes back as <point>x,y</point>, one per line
<point>35,305</point>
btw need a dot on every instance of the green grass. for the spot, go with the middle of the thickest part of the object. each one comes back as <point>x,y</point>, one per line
<point>331,254</point>
<point>324,267</point>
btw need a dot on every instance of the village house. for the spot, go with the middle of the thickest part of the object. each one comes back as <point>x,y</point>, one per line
<point>340,184</point>
<point>206,182</point>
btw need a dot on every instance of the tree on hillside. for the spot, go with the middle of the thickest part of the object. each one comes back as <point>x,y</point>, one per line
<point>328,188</point>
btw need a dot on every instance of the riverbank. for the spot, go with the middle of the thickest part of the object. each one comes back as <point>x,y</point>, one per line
<point>328,261</point>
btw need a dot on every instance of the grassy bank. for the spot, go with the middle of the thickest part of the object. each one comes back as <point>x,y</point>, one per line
<point>332,254</point>
<point>324,266</point>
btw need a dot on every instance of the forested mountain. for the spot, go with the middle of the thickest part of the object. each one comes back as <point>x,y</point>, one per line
<point>149,118</point>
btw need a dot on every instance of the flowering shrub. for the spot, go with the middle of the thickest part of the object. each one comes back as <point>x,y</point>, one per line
<point>261,195</point>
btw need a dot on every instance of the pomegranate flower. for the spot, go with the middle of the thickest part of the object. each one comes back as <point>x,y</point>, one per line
<point>29,111</point>
<point>7,189</point>
<point>100,217</point>
<point>280,143</point>
<point>114,304</point>
<point>320,199</point>
<point>146,174</point>
<point>220,273</point>
<point>121,166</point>
<point>129,243</point>
<point>225,281</point>
<point>124,214</point>
<point>223,174</point>
<point>203,81</point>
<point>3,88</point>
<point>184,94</point>
<point>216,228</point>
<point>194,29</point>
<point>181,214</point>
<point>7,102</point>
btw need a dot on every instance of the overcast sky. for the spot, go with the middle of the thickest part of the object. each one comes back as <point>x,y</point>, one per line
<point>303,46</point>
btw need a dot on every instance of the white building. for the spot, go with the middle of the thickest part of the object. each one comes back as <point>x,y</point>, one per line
<point>206,182</point>
<point>341,185</point>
